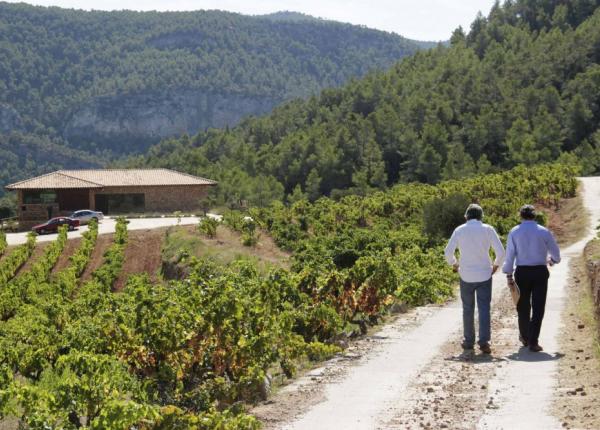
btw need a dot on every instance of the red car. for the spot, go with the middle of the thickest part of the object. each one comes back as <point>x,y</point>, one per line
<point>51,226</point>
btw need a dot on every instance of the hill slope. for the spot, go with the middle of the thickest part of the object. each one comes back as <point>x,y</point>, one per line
<point>522,87</point>
<point>120,81</point>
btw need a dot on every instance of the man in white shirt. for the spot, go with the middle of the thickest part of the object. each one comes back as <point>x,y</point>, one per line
<point>474,240</point>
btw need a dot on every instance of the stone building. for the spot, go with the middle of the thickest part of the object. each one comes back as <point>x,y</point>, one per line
<point>111,191</point>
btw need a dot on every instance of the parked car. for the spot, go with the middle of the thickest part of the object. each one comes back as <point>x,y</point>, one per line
<point>86,215</point>
<point>52,225</point>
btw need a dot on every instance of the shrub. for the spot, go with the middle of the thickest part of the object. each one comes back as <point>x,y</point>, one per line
<point>317,351</point>
<point>234,220</point>
<point>3,243</point>
<point>442,215</point>
<point>249,238</point>
<point>248,229</point>
<point>208,227</point>
<point>541,218</point>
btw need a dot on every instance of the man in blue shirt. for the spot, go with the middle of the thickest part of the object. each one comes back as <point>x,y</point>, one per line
<point>531,248</point>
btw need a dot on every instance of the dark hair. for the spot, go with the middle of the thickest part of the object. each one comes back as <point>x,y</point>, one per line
<point>527,212</point>
<point>474,212</point>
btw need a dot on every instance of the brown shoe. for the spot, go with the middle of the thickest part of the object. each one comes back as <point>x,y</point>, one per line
<point>523,340</point>
<point>485,348</point>
<point>535,348</point>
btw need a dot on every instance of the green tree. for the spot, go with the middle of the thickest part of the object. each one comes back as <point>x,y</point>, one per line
<point>459,164</point>
<point>578,119</point>
<point>547,134</point>
<point>296,195</point>
<point>372,172</point>
<point>429,165</point>
<point>483,165</point>
<point>521,144</point>
<point>313,185</point>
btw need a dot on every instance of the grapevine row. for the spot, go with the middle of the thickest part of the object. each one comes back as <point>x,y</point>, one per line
<point>3,243</point>
<point>12,262</point>
<point>66,280</point>
<point>26,287</point>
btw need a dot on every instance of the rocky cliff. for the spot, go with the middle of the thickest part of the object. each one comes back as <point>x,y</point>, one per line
<point>132,122</point>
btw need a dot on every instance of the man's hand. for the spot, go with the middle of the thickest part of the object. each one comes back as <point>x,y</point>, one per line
<point>510,282</point>
<point>455,267</point>
<point>551,262</point>
<point>494,268</point>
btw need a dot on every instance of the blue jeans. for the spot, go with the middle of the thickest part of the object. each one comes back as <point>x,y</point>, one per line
<point>483,292</point>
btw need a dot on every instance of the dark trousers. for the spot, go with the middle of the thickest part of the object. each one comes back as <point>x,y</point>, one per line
<point>533,283</point>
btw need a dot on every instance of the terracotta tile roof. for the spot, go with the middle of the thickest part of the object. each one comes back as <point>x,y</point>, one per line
<point>100,178</point>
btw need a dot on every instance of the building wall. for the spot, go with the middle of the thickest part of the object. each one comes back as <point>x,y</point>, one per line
<point>161,198</point>
<point>167,199</point>
<point>32,214</point>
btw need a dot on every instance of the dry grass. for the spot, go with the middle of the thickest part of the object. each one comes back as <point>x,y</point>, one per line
<point>568,222</point>
<point>578,387</point>
<point>225,248</point>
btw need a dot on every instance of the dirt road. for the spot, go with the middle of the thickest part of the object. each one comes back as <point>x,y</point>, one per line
<point>411,374</point>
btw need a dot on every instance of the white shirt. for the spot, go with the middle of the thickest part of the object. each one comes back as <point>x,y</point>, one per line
<point>474,240</point>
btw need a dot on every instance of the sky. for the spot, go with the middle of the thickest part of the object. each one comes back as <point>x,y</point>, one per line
<point>415,19</point>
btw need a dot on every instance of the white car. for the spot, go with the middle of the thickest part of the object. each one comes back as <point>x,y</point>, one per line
<point>85,216</point>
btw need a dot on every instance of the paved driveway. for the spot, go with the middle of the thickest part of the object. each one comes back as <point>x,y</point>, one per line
<point>107,225</point>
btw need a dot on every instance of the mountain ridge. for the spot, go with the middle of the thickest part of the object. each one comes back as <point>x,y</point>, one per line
<point>114,83</point>
<point>522,87</point>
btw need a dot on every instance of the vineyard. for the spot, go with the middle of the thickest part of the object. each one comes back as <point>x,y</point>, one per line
<point>192,353</point>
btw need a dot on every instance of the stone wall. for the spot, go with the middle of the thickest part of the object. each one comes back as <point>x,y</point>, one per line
<point>33,214</point>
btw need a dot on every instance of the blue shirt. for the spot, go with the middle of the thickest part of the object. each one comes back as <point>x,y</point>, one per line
<point>530,244</point>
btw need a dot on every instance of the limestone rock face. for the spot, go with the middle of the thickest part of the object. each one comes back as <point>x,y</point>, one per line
<point>132,122</point>
<point>10,120</point>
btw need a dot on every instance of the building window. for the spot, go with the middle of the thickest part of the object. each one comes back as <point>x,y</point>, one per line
<point>39,197</point>
<point>120,203</point>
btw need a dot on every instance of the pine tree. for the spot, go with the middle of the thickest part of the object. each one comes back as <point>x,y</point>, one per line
<point>548,136</point>
<point>484,165</point>
<point>578,119</point>
<point>522,147</point>
<point>313,185</point>
<point>296,195</point>
<point>374,165</point>
<point>429,165</point>
<point>459,164</point>
<point>458,36</point>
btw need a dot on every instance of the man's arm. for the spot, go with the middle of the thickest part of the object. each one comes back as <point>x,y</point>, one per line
<point>511,254</point>
<point>498,249</point>
<point>451,248</point>
<point>553,249</point>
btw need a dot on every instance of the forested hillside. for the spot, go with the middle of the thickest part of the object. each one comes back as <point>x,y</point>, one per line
<point>521,87</point>
<point>111,83</point>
